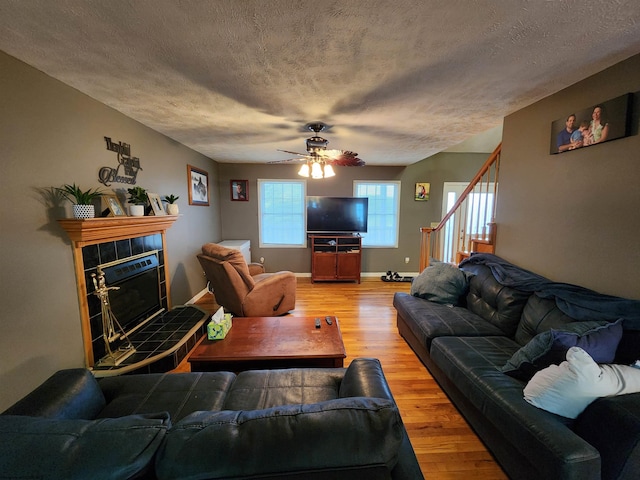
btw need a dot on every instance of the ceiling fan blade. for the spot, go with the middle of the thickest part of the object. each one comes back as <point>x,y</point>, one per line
<point>290,160</point>
<point>294,153</point>
<point>348,159</point>
<point>317,152</point>
<point>331,154</point>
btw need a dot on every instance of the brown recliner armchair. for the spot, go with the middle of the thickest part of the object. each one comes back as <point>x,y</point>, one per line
<point>245,290</point>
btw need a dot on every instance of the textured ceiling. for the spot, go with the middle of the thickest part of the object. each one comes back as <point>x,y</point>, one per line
<point>395,80</point>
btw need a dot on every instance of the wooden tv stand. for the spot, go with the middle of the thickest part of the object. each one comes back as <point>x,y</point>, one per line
<point>335,257</point>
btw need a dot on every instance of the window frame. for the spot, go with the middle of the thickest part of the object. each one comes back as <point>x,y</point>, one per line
<point>260,183</point>
<point>396,215</point>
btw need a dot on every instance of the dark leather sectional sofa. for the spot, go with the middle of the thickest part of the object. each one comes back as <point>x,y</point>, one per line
<point>267,424</point>
<point>465,347</point>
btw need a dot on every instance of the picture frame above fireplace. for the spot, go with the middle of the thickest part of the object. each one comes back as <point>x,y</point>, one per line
<point>156,204</point>
<point>113,206</point>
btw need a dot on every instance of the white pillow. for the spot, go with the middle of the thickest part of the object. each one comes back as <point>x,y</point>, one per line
<point>567,389</point>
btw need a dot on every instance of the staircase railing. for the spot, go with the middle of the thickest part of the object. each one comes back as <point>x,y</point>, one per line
<point>469,225</point>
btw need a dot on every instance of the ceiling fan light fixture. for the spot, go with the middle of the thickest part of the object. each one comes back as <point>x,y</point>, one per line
<point>328,171</point>
<point>304,170</point>
<point>316,170</point>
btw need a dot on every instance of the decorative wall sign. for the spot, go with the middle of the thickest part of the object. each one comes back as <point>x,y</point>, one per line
<point>239,190</point>
<point>198,186</point>
<point>596,124</point>
<point>127,169</point>
<point>422,192</point>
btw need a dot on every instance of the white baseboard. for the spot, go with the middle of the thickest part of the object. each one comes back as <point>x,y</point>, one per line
<point>204,291</point>
<point>197,296</point>
<point>367,274</point>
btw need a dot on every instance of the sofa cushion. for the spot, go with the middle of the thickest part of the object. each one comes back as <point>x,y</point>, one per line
<point>499,305</point>
<point>177,393</point>
<point>567,389</point>
<point>612,425</point>
<point>441,283</point>
<point>260,389</point>
<point>540,315</point>
<point>547,348</point>
<point>342,433</point>
<point>428,320</point>
<point>67,394</point>
<point>472,364</point>
<point>109,448</point>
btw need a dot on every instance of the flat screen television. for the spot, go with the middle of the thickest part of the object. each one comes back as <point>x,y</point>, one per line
<point>337,214</point>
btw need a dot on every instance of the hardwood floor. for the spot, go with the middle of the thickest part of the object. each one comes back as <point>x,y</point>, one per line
<point>445,445</point>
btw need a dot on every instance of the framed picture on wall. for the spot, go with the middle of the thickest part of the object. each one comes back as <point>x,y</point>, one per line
<point>198,186</point>
<point>422,192</point>
<point>239,190</point>
<point>599,123</point>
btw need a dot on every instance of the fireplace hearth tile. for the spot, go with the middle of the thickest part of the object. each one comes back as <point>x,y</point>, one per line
<point>162,344</point>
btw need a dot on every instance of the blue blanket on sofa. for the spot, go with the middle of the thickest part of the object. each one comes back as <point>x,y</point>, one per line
<point>578,302</point>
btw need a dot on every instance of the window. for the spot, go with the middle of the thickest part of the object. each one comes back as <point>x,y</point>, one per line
<point>281,213</point>
<point>384,212</point>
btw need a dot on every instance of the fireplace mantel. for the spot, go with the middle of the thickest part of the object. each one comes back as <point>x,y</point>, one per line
<point>96,230</point>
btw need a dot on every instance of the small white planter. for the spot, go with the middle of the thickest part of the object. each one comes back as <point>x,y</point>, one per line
<point>136,210</point>
<point>84,211</point>
<point>173,209</point>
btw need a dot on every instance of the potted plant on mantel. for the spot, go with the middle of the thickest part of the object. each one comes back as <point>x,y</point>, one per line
<point>138,200</point>
<point>172,206</point>
<point>82,200</point>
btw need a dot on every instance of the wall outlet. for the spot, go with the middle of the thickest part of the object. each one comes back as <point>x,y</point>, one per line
<point>406,259</point>
<point>261,259</point>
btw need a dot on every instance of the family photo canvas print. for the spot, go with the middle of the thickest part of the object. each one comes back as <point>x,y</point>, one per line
<point>596,124</point>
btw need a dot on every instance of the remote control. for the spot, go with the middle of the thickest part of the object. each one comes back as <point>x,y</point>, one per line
<point>317,323</point>
<point>328,319</point>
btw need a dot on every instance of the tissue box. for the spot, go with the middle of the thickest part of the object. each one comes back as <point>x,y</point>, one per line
<point>217,331</point>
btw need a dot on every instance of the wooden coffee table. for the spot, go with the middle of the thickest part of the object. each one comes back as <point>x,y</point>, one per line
<point>272,342</point>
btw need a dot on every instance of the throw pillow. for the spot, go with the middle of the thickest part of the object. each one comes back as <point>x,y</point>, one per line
<point>440,283</point>
<point>567,389</point>
<point>109,448</point>
<point>550,347</point>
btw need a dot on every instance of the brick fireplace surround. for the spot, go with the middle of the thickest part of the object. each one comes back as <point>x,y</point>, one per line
<point>166,339</point>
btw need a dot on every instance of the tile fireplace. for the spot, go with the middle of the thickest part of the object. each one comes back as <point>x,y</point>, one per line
<point>131,252</point>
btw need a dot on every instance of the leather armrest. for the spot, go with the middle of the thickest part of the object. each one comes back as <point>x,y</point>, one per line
<point>364,378</point>
<point>67,394</point>
<point>255,268</point>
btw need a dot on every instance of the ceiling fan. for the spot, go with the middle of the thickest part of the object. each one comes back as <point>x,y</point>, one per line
<point>318,160</point>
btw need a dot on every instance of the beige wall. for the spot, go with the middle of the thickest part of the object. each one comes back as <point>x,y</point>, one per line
<point>51,134</point>
<point>240,219</point>
<point>573,217</point>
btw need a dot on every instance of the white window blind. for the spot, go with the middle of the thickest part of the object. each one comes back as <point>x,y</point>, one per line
<point>281,214</point>
<point>384,212</point>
